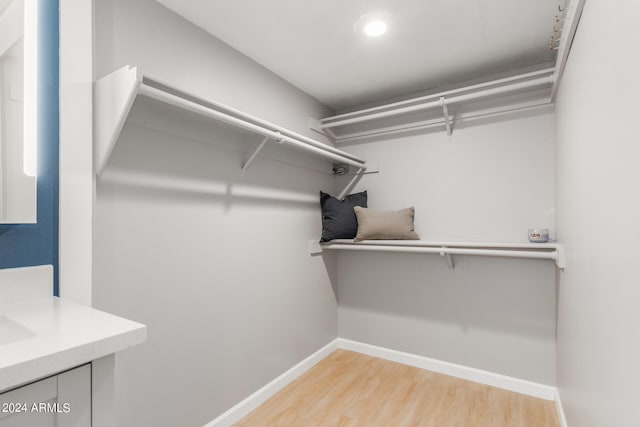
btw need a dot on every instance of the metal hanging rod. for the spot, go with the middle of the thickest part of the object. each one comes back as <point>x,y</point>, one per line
<point>500,90</point>
<point>153,82</point>
<point>330,120</point>
<point>189,105</point>
<point>551,252</point>
<point>428,124</point>
<point>552,255</point>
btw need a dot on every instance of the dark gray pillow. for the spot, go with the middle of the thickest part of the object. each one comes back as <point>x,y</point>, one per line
<point>338,218</point>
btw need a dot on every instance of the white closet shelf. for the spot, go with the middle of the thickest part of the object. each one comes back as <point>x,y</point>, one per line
<point>551,251</point>
<point>541,81</point>
<point>116,93</point>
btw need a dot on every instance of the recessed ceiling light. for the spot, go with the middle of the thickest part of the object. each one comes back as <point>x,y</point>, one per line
<point>372,24</point>
<point>375,28</point>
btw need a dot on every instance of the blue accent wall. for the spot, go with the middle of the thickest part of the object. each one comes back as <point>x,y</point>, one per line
<point>23,245</point>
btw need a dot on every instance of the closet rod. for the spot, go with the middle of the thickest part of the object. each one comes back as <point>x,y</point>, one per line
<point>438,104</point>
<point>153,82</point>
<point>426,124</point>
<point>441,94</point>
<point>202,110</point>
<point>552,255</point>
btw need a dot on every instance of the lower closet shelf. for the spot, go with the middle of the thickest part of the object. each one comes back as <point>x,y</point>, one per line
<point>550,251</point>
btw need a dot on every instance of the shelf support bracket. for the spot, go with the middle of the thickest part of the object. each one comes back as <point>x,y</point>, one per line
<point>114,96</point>
<point>447,255</point>
<point>561,260</point>
<point>357,176</point>
<point>254,154</point>
<point>445,111</point>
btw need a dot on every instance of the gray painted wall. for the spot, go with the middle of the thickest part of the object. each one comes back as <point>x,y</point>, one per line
<point>213,261</point>
<point>489,181</point>
<point>598,211</point>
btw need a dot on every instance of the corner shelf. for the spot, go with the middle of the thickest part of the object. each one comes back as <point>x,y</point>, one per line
<point>551,251</point>
<point>116,93</point>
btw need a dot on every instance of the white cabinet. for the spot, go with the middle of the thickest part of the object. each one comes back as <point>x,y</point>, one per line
<point>63,400</point>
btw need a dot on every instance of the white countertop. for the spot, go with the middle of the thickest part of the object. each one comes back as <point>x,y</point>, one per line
<point>45,335</point>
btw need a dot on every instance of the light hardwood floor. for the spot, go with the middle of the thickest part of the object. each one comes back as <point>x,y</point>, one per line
<point>349,389</point>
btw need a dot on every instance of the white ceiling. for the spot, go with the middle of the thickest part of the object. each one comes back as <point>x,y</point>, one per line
<point>431,43</point>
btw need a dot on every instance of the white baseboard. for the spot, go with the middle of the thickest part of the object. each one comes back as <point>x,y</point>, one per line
<point>243,408</point>
<point>560,410</point>
<point>529,388</point>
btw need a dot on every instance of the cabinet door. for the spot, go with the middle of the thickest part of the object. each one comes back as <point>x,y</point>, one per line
<point>60,401</point>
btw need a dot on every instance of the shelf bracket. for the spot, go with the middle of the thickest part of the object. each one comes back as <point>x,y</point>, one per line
<point>445,111</point>
<point>561,260</point>
<point>352,183</point>
<point>114,96</point>
<point>314,248</point>
<point>447,256</point>
<point>254,154</point>
<point>279,139</point>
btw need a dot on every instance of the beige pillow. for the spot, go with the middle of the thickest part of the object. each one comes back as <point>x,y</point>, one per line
<point>377,225</point>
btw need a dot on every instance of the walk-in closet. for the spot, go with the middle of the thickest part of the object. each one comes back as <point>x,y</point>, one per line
<point>319,214</point>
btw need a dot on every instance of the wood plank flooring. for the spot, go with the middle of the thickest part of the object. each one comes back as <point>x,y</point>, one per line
<point>349,389</point>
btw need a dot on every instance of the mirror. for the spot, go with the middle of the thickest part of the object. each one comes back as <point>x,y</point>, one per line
<point>18,112</point>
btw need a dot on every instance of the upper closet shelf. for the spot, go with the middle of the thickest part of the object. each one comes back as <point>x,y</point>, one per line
<point>551,251</point>
<point>116,92</point>
<point>514,93</point>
